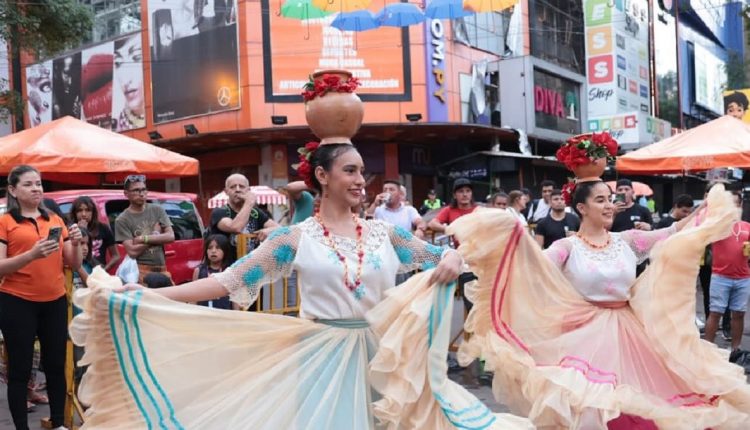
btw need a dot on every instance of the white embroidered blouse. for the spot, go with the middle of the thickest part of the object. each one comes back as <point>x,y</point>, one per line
<point>388,250</point>
<point>605,275</point>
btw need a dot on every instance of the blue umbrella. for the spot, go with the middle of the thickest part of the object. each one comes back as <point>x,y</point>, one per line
<point>445,9</point>
<point>358,20</point>
<point>400,15</point>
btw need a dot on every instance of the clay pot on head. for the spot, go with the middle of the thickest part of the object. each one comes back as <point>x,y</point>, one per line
<point>591,171</point>
<point>334,117</point>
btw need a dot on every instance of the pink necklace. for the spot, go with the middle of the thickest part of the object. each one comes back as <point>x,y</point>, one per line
<point>351,286</point>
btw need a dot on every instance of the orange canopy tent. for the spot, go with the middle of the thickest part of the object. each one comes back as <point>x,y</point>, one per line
<point>73,151</point>
<point>723,142</point>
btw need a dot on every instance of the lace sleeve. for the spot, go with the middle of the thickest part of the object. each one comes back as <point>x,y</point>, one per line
<point>270,261</point>
<point>641,241</point>
<point>413,253</point>
<point>558,252</point>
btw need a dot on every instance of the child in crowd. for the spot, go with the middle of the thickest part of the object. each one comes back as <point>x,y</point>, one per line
<point>88,263</point>
<point>217,256</point>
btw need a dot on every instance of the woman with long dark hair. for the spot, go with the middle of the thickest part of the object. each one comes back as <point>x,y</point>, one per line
<point>84,212</point>
<point>576,341</point>
<point>34,244</point>
<point>224,369</point>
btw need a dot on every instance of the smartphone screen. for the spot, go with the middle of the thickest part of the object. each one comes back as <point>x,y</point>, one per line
<point>620,198</point>
<point>54,234</point>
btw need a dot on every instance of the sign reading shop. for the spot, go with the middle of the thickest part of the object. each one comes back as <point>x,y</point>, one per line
<point>557,105</point>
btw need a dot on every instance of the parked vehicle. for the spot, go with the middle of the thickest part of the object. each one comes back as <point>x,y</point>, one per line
<point>182,256</point>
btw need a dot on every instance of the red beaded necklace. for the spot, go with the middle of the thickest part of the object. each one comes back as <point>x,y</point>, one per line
<point>352,286</point>
<point>593,245</point>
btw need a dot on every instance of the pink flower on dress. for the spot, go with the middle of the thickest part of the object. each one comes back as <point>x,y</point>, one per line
<point>562,255</point>
<point>610,289</point>
<point>640,241</point>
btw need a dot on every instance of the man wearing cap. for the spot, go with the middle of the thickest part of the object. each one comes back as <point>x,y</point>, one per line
<point>462,204</point>
<point>430,203</point>
<point>628,214</point>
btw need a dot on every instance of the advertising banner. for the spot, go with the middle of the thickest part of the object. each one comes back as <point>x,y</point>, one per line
<point>556,104</point>
<point>631,129</point>
<point>102,85</point>
<point>737,104</point>
<point>295,48</point>
<point>710,80</point>
<point>6,127</point>
<point>617,56</point>
<point>194,57</point>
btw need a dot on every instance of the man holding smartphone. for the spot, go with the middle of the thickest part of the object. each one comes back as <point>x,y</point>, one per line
<point>628,214</point>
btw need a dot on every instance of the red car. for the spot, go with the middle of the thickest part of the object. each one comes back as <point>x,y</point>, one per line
<point>183,255</point>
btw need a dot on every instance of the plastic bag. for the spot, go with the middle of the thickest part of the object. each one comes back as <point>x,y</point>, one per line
<point>128,271</point>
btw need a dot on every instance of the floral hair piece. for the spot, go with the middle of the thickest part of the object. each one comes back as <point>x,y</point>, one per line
<point>581,150</point>
<point>304,168</point>
<point>328,83</point>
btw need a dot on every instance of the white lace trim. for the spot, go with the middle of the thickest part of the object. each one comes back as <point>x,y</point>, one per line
<point>377,234</point>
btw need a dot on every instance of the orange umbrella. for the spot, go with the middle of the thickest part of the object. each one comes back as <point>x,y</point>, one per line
<point>639,188</point>
<point>723,142</point>
<point>73,151</point>
<point>479,6</point>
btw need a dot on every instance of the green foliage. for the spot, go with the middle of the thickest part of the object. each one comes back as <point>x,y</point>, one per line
<point>736,68</point>
<point>42,28</point>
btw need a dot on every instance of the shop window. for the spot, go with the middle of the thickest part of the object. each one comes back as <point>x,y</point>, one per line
<point>113,18</point>
<point>557,33</point>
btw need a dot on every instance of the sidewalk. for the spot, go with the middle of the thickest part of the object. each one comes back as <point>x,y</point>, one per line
<point>482,392</point>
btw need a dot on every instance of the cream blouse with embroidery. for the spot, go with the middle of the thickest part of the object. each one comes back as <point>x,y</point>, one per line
<point>388,251</point>
<point>605,275</point>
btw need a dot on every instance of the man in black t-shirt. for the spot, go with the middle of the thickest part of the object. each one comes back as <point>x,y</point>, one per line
<point>629,215</point>
<point>558,224</point>
<point>683,205</point>
<point>240,215</point>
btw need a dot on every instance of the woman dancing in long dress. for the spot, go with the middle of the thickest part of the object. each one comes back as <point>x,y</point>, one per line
<point>576,341</point>
<point>158,363</point>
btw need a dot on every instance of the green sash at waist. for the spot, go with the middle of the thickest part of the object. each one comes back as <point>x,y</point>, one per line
<point>345,323</point>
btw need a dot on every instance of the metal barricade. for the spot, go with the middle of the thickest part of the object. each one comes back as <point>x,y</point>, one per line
<point>273,292</point>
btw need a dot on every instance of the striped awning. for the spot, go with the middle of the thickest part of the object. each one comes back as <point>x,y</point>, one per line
<point>264,195</point>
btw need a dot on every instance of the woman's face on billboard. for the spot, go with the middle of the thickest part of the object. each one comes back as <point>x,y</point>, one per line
<point>129,73</point>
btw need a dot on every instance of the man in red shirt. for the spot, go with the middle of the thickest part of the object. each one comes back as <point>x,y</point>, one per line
<point>462,204</point>
<point>730,281</point>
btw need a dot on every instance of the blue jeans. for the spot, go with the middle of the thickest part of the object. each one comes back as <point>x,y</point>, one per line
<point>727,292</point>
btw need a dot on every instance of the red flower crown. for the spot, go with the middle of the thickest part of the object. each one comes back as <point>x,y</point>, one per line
<point>304,168</point>
<point>581,150</point>
<point>328,83</point>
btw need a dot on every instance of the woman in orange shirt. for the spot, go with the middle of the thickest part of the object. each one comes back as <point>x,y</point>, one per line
<point>34,242</point>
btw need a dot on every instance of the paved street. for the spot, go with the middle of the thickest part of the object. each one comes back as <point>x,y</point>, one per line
<point>482,392</point>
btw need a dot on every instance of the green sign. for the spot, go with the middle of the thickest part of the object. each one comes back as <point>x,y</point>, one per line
<point>598,12</point>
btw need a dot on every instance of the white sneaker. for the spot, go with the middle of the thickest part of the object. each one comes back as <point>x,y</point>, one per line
<point>60,428</point>
<point>700,324</point>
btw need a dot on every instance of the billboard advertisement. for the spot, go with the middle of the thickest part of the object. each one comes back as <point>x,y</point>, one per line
<point>631,129</point>
<point>737,104</point>
<point>710,80</point>
<point>194,57</point>
<point>294,48</point>
<point>6,127</point>
<point>102,85</point>
<point>617,64</point>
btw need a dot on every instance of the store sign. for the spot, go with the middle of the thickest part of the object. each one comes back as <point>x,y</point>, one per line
<point>194,58</point>
<point>631,129</point>
<point>102,85</point>
<point>295,48</point>
<point>556,103</point>
<point>617,56</point>
<point>437,107</point>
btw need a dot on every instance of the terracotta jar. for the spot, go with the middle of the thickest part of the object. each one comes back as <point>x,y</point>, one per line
<point>334,117</point>
<point>592,171</point>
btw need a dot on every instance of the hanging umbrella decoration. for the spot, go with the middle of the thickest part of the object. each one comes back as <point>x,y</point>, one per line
<point>303,10</point>
<point>480,6</point>
<point>341,5</point>
<point>445,9</point>
<point>400,15</point>
<point>358,20</point>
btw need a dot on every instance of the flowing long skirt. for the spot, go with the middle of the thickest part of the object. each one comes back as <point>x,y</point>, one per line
<point>568,363</point>
<point>155,363</point>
